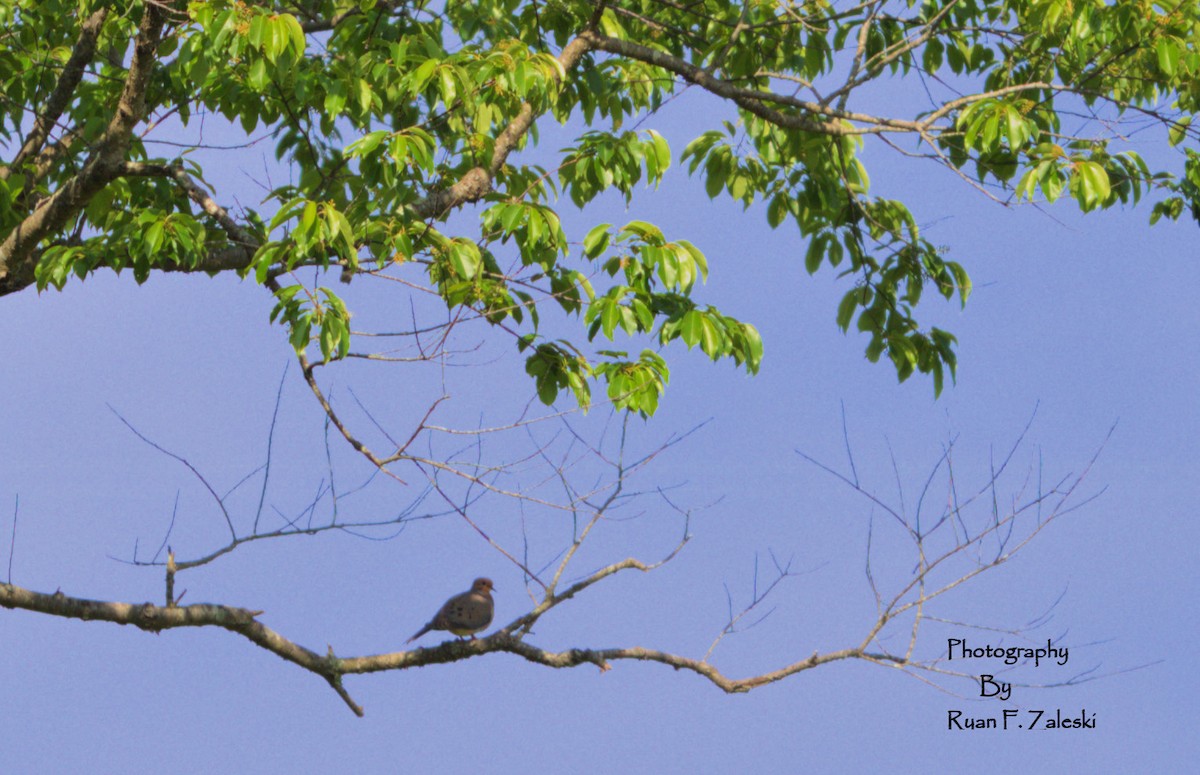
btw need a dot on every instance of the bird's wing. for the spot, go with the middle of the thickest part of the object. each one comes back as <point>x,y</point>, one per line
<point>442,619</point>
<point>469,611</point>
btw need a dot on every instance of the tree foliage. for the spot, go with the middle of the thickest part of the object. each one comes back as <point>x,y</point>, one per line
<point>392,116</point>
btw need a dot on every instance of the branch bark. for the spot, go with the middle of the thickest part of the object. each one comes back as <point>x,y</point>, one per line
<point>244,622</point>
<point>64,91</point>
<point>18,251</point>
<point>754,100</point>
<point>477,182</point>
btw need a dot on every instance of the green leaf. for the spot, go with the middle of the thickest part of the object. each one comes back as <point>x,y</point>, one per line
<point>815,252</point>
<point>777,210</point>
<point>845,311</point>
<point>1177,132</point>
<point>257,75</point>
<point>309,217</point>
<point>420,77</point>
<point>547,390</point>
<point>465,258</point>
<point>691,328</point>
<point>610,26</point>
<point>512,216</point>
<point>367,143</point>
<point>649,233</point>
<point>698,258</point>
<point>1018,129</point>
<point>717,173</point>
<point>152,238</point>
<point>1168,55</point>
<point>1092,185</point>
<point>295,34</point>
<point>932,55</point>
<point>610,315</point>
<point>596,241</point>
<point>961,280</point>
<point>753,347</point>
<point>301,332</point>
<point>257,30</point>
<point>711,339</point>
<point>662,151</point>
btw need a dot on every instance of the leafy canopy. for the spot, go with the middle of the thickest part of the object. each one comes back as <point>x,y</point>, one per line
<point>392,117</point>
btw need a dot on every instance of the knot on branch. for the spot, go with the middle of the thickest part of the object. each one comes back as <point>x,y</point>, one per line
<point>473,185</point>
<point>243,616</point>
<point>148,617</point>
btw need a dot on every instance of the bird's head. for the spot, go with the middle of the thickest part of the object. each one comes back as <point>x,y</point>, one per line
<point>482,585</point>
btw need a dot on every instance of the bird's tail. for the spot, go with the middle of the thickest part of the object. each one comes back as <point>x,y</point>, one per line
<point>420,632</point>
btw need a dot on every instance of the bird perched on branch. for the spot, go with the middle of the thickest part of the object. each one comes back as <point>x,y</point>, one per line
<point>464,614</point>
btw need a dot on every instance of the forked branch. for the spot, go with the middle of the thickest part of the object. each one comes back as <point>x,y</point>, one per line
<point>940,569</point>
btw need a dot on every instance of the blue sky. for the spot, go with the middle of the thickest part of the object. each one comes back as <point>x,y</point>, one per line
<point>1087,320</point>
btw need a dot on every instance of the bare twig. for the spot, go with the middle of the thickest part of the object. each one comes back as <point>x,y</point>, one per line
<point>12,542</point>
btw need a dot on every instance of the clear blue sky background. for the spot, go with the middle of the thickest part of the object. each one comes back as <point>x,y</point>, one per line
<point>1090,320</point>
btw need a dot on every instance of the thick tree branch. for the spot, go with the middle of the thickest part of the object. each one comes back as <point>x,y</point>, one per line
<point>753,100</point>
<point>244,622</point>
<point>64,91</point>
<point>16,266</point>
<point>153,618</point>
<point>477,182</point>
<point>234,230</point>
<point>53,153</point>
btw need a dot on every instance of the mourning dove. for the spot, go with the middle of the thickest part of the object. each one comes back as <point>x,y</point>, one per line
<point>464,614</point>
